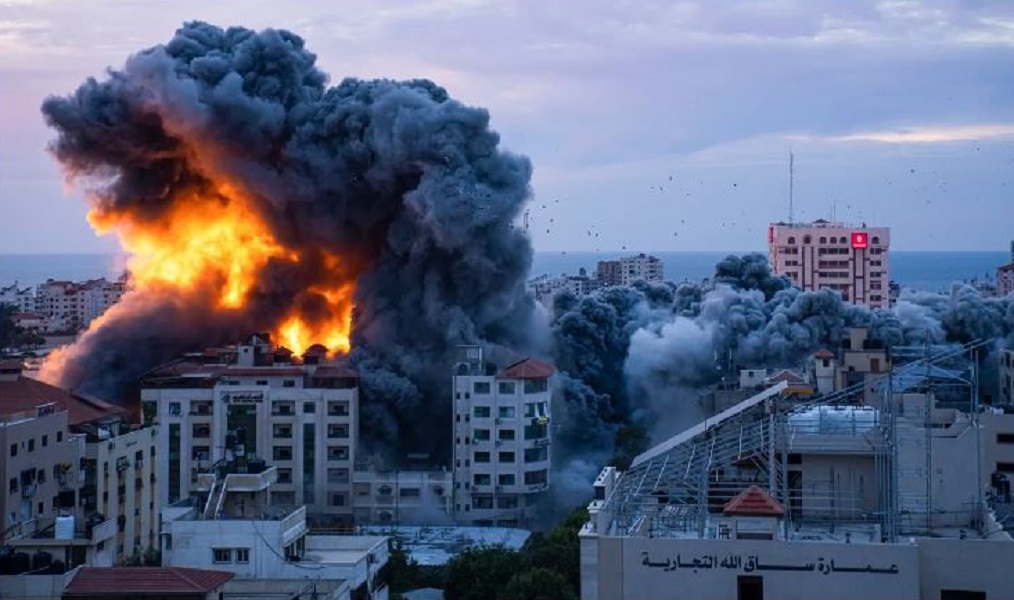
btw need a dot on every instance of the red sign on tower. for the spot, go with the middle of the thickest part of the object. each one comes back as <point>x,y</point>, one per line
<point>860,239</point>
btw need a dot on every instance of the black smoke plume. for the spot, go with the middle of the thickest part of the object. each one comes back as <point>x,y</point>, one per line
<point>408,186</point>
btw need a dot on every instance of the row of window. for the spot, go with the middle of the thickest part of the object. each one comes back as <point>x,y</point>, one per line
<point>29,444</point>
<point>333,453</point>
<point>530,386</point>
<point>530,454</point>
<point>230,555</point>
<point>487,479</point>
<point>830,240</point>
<point>532,410</point>
<point>278,407</point>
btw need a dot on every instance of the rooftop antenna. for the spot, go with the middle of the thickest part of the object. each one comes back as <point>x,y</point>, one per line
<point>791,183</point>
<point>526,218</point>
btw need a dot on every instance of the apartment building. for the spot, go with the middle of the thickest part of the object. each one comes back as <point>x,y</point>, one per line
<point>1006,377</point>
<point>854,261</point>
<point>21,298</point>
<point>247,404</point>
<point>77,304</point>
<point>80,478</point>
<point>501,439</point>
<point>627,270</point>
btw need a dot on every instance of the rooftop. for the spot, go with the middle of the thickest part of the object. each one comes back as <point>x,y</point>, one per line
<point>130,581</point>
<point>529,368</point>
<point>23,394</point>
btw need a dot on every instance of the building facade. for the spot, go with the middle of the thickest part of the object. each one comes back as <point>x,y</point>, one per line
<point>854,261</point>
<point>501,439</point>
<point>251,403</point>
<point>1006,377</point>
<point>1005,280</point>
<point>80,478</point>
<point>627,270</point>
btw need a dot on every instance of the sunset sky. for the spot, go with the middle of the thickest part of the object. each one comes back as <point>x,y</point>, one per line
<point>651,125</point>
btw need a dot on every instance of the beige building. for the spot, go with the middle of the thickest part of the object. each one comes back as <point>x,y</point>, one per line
<point>253,404</point>
<point>394,497</point>
<point>80,478</point>
<point>501,439</point>
<point>627,270</point>
<point>854,261</point>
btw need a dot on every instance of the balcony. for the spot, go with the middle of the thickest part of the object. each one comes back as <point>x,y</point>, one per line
<point>239,482</point>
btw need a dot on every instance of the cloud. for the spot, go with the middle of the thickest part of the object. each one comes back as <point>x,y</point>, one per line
<point>931,134</point>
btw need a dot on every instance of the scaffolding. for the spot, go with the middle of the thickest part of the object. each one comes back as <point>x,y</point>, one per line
<point>675,488</point>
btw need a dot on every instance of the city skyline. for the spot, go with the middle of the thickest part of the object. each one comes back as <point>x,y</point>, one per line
<point>896,112</point>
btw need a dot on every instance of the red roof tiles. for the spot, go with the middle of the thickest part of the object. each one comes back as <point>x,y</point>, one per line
<point>24,394</point>
<point>529,368</point>
<point>754,502</point>
<point>133,581</point>
<point>823,353</point>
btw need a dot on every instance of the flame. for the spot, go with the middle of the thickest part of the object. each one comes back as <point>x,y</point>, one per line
<point>216,241</point>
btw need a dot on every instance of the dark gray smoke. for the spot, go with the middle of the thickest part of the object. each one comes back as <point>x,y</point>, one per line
<point>408,186</point>
<point>644,354</point>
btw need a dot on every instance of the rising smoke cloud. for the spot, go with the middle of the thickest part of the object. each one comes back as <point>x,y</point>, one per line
<point>391,186</point>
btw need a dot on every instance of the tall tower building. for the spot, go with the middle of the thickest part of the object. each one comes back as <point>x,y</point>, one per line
<point>826,255</point>
<point>501,439</point>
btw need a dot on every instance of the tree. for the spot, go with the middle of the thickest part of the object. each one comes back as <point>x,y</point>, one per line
<point>559,550</point>
<point>480,573</point>
<point>538,584</point>
<point>8,330</point>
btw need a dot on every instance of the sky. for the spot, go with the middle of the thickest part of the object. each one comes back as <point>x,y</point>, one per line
<point>651,125</point>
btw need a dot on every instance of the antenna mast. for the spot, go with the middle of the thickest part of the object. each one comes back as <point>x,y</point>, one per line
<point>791,183</point>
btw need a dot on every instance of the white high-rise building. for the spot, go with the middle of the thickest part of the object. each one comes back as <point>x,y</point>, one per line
<point>248,405</point>
<point>501,439</point>
<point>825,255</point>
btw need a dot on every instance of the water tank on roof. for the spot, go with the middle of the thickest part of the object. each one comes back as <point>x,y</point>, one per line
<point>64,528</point>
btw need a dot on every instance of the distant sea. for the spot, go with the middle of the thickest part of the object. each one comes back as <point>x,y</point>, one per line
<point>930,271</point>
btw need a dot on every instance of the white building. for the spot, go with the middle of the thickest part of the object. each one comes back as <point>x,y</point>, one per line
<point>77,304</point>
<point>232,526</point>
<point>390,497</point>
<point>545,287</point>
<point>829,499</point>
<point>1005,280</point>
<point>23,299</point>
<point>824,255</point>
<point>501,439</point>
<point>1006,377</point>
<point>250,404</point>
<point>627,270</point>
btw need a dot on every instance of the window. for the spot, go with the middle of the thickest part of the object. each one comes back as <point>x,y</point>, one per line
<point>336,499</point>
<point>506,457</point>
<point>221,555</point>
<point>506,412</point>
<point>242,555</point>
<point>281,453</point>
<point>481,412</point>
<point>289,383</point>
<point>536,477</point>
<point>806,239</point>
<point>535,409</point>
<point>309,407</point>
<point>823,240</point>
<point>174,409</point>
<point>31,445</point>
<point>337,452</point>
<point>337,431</point>
<point>792,239</point>
<point>483,502</point>
<point>45,441</point>
<point>482,457</point>
<point>506,388</point>
<point>536,386</point>
<point>536,454</point>
<point>14,450</point>
<point>13,487</point>
<point>337,475</point>
<point>482,434</point>
<point>262,382</point>
<point>481,479</point>
<point>337,409</point>
<point>507,434</point>
<point>1005,438</point>
<point>507,501</point>
<point>481,387</point>
<point>409,492</point>
<point>506,479</point>
<point>875,239</point>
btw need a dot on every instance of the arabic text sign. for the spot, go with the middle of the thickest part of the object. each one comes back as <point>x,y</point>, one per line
<point>751,563</point>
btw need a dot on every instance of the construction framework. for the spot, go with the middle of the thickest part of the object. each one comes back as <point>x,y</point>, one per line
<point>670,490</point>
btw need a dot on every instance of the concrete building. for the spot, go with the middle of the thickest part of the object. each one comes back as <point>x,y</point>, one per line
<point>21,298</point>
<point>1005,279</point>
<point>545,287</point>
<point>231,524</point>
<point>501,439</point>
<point>82,472</point>
<point>829,499</point>
<point>252,403</point>
<point>1006,377</point>
<point>391,497</point>
<point>854,261</point>
<point>627,270</point>
<point>77,304</point>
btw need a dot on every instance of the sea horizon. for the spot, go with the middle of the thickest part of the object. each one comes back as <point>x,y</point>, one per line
<point>929,270</point>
